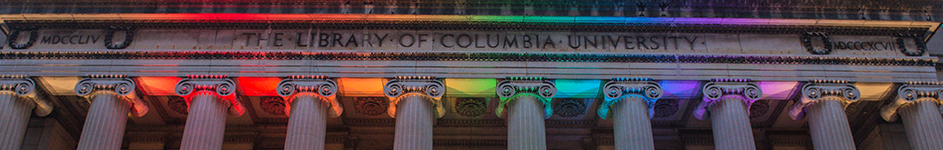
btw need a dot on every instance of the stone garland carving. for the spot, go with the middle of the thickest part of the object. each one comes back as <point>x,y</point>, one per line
<point>817,90</point>
<point>538,87</point>
<point>424,86</point>
<point>569,108</point>
<point>664,108</point>
<point>911,93</point>
<point>24,87</point>
<point>217,85</point>
<point>321,86</point>
<point>724,89</point>
<point>178,104</point>
<point>273,105</point>
<point>917,51</point>
<point>619,89</point>
<point>371,106</point>
<point>807,42</point>
<point>471,107</point>
<point>120,85</point>
<point>110,34</point>
<point>33,35</point>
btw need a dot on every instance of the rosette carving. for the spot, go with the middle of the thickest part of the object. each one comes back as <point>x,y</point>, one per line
<point>723,89</point>
<point>911,93</point>
<point>320,86</point>
<point>569,108</point>
<point>371,106</point>
<point>471,107</point>
<point>423,86</point>
<point>24,87</point>
<point>117,85</point>
<point>619,89</point>
<point>217,85</point>
<point>539,87</point>
<point>818,90</point>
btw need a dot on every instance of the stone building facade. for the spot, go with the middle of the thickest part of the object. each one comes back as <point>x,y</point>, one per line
<point>457,74</point>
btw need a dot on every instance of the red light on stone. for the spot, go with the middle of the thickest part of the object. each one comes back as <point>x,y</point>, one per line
<point>258,86</point>
<point>157,86</point>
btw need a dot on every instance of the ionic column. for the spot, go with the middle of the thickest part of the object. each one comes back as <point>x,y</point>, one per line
<point>631,101</point>
<point>824,103</point>
<point>210,98</point>
<point>415,103</point>
<point>311,100</point>
<point>727,101</point>
<point>918,104</point>
<point>112,99</point>
<point>528,100</point>
<point>17,99</point>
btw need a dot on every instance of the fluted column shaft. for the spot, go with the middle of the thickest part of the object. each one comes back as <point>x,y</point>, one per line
<point>633,128</point>
<point>206,123</point>
<point>413,124</point>
<point>526,124</point>
<point>14,117</point>
<point>923,124</point>
<point>731,125</point>
<point>104,126</point>
<point>306,123</point>
<point>829,126</point>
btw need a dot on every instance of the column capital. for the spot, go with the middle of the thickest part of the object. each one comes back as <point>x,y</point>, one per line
<point>424,86</point>
<point>618,89</point>
<point>538,87</point>
<point>217,85</point>
<point>723,89</point>
<point>24,87</point>
<point>817,90</point>
<point>910,93</point>
<point>320,86</point>
<point>113,84</point>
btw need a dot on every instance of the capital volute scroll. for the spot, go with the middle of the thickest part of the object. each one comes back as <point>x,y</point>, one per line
<point>619,89</point>
<point>538,87</point>
<point>818,90</point>
<point>319,86</point>
<point>117,85</point>
<point>727,89</point>
<point>216,85</point>
<point>911,93</point>
<point>24,87</point>
<point>427,87</point>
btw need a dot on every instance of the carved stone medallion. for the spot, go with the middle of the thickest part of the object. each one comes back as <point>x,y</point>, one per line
<point>178,104</point>
<point>273,105</point>
<point>470,107</point>
<point>371,106</point>
<point>758,108</point>
<point>665,107</point>
<point>569,108</point>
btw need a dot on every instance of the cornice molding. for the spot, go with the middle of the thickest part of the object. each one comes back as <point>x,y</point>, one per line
<point>538,87</point>
<point>911,93</point>
<point>818,90</point>
<point>119,86</point>
<point>621,89</point>
<point>321,87</point>
<point>426,87</point>
<point>215,85</point>
<point>24,87</point>
<point>727,89</point>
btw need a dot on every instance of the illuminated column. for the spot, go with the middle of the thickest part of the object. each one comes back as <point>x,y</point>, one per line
<point>311,100</point>
<point>17,99</point>
<point>919,107</point>
<point>631,101</point>
<point>728,101</point>
<point>415,103</point>
<point>528,102</point>
<point>823,102</point>
<point>112,99</point>
<point>209,97</point>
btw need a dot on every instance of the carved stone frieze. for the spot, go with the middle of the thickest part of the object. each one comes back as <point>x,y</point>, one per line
<point>118,85</point>
<point>911,93</point>
<point>724,89</point>
<point>538,87</point>
<point>427,87</point>
<point>471,107</point>
<point>274,105</point>
<point>619,89</point>
<point>664,108</point>
<point>24,87</point>
<point>217,85</point>
<point>818,90</point>
<point>321,86</point>
<point>569,108</point>
<point>371,106</point>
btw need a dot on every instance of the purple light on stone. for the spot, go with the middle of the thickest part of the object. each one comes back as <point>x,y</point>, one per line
<point>680,89</point>
<point>777,90</point>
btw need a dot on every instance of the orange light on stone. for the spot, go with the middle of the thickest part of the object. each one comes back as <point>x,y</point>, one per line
<point>258,86</point>
<point>361,87</point>
<point>157,86</point>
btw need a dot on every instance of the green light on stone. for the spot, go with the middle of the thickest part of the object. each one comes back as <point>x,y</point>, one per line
<point>458,87</point>
<point>577,88</point>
